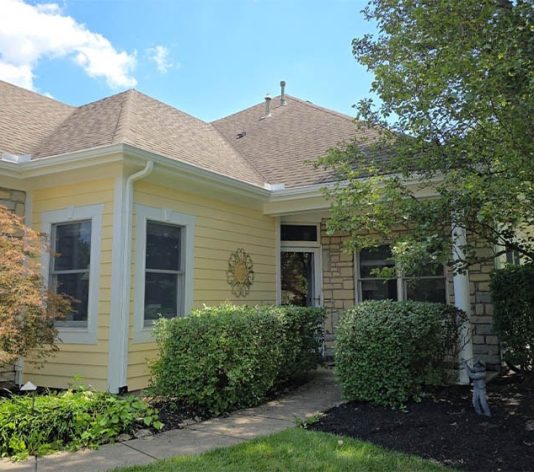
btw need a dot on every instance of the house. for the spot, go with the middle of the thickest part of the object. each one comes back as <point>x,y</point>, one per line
<point>153,212</point>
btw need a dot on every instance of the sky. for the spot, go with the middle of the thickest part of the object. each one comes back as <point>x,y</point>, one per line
<point>209,58</point>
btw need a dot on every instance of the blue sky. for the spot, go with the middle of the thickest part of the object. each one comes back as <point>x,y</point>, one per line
<point>209,58</point>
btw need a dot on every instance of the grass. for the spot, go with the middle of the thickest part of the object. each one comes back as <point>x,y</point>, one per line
<point>295,450</point>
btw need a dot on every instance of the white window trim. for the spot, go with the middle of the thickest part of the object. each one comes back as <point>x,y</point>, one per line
<point>317,271</point>
<point>78,335</point>
<point>142,333</point>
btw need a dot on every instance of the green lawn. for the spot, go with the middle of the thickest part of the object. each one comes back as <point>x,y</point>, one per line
<point>295,450</point>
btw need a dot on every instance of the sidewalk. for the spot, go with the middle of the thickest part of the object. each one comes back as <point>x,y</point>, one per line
<point>319,394</point>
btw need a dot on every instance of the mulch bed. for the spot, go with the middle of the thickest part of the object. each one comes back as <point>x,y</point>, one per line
<point>445,428</point>
<point>173,415</point>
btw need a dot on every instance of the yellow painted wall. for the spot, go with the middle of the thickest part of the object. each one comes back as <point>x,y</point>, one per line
<point>221,228</point>
<point>90,361</point>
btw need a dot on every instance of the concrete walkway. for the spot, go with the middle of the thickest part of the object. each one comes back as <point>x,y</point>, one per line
<point>319,394</point>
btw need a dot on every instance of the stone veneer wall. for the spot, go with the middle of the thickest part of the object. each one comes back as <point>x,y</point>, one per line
<point>485,341</point>
<point>339,294</point>
<point>338,283</point>
<point>13,200</point>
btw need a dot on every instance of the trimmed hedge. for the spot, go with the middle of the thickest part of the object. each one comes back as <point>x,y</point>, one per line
<point>68,420</point>
<point>513,298</point>
<point>222,358</point>
<point>386,351</point>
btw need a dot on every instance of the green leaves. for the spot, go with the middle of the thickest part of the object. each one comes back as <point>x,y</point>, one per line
<point>453,135</point>
<point>386,351</point>
<point>222,358</point>
<point>68,420</point>
<point>513,298</point>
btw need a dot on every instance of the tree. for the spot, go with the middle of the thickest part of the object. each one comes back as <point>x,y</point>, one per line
<point>455,81</point>
<point>27,308</point>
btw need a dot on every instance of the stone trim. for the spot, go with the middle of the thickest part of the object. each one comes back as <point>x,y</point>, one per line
<point>13,200</point>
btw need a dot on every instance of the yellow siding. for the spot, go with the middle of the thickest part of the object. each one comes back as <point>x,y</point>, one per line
<point>220,229</point>
<point>89,361</point>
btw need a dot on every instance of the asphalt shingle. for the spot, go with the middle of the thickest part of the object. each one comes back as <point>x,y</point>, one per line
<point>246,146</point>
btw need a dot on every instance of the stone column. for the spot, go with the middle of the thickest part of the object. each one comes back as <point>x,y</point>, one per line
<point>13,200</point>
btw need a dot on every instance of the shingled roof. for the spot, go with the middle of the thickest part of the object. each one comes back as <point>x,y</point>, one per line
<point>26,118</point>
<point>246,145</point>
<point>284,145</point>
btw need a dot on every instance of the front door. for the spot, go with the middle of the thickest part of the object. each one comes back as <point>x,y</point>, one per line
<point>301,281</point>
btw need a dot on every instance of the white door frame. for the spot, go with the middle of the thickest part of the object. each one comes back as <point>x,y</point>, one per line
<point>317,271</point>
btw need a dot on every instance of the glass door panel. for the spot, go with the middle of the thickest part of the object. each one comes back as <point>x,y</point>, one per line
<point>298,270</point>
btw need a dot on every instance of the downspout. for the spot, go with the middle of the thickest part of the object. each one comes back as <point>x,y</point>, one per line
<point>126,268</point>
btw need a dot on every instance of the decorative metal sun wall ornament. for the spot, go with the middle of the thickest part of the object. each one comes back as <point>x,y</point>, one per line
<point>240,275</point>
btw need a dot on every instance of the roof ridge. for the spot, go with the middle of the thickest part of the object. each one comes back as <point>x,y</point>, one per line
<point>321,108</point>
<point>123,119</point>
<point>299,100</point>
<point>169,106</point>
<point>40,95</point>
<point>52,132</point>
<point>212,127</point>
<point>240,154</point>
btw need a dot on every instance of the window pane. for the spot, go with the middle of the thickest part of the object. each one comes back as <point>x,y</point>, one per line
<point>426,290</point>
<point>161,295</point>
<point>379,289</point>
<point>72,245</point>
<point>77,287</point>
<point>428,270</point>
<point>163,244</point>
<point>513,257</point>
<point>298,233</point>
<point>297,278</point>
<point>375,258</point>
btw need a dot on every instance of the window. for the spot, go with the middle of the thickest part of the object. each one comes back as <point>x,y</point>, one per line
<point>429,285</point>
<point>164,263</point>
<point>513,257</point>
<point>69,269</point>
<point>372,287</point>
<point>163,271</point>
<point>299,233</point>
<point>75,239</point>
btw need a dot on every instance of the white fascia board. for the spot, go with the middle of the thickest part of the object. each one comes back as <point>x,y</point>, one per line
<point>123,152</point>
<point>185,169</point>
<point>312,197</point>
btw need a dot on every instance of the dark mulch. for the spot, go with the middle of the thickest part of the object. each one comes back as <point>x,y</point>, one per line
<point>174,415</point>
<point>445,428</point>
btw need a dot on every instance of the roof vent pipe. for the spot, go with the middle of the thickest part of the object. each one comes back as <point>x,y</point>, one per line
<point>283,100</point>
<point>267,105</point>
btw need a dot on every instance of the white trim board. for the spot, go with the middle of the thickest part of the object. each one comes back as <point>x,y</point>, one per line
<point>73,335</point>
<point>142,333</point>
<point>116,357</point>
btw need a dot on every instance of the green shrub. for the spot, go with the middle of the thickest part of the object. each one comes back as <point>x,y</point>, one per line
<point>386,351</point>
<point>68,420</point>
<point>302,342</point>
<point>513,298</point>
<point>227,357</point>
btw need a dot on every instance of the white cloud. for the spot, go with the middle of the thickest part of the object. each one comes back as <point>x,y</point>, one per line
<point>160,55</point>
<point>29,33</point>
